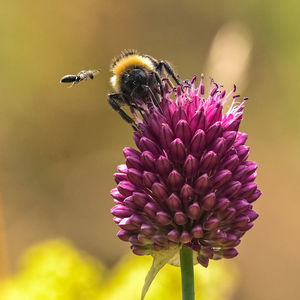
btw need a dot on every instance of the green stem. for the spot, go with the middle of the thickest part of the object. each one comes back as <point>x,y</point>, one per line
<point>187,273</point>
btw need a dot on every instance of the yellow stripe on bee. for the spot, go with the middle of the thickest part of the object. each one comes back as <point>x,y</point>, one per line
<point>125,63</point>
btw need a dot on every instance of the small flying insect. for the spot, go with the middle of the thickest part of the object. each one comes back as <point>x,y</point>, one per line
<point>82,75</point>
<point>137,78</point>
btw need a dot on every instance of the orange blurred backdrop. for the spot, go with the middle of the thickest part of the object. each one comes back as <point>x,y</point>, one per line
<point>60,146</point>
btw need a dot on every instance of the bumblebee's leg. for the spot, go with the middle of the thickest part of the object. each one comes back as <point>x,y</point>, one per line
<point>139,109</point>
<point>154,98</point>
<point>159,65</point>
<point>132,105</point>
<point>160,84</point>
<point>168,82</point>
<point>116,101</point>
<point>163,64</point>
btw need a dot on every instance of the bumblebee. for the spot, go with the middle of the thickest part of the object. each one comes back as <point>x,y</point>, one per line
<point>137,79</point>
<point>82,75</point>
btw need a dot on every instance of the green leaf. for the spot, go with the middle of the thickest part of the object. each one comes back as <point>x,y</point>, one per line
<point>160,258</point>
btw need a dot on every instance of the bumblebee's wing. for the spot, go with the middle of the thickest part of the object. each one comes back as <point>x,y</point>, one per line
<point>68,78</point>
<point>95,72</point>
<point>92,73</point>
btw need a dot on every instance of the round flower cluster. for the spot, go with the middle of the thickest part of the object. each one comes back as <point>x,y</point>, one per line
<point>190,182</point>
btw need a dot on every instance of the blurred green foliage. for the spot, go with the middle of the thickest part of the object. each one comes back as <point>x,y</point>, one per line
<point>55,270</point>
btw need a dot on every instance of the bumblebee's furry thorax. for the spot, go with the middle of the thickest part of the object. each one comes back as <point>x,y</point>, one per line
<point>128,60</point>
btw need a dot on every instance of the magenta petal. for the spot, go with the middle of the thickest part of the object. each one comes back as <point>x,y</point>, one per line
<point>163,165</point>
<point>174,202</point>
<point>180,218</point>
<point>191,166</point>
<point>197,232</point>
<point>198,143</point>
<point>135,176</point>
<point>183,131</point>
<point>175,180</point>
<point>201,184</point>
<point>208,201</point>
<point>148,160</point>
<point>187,193</point>
<point>178,151</point>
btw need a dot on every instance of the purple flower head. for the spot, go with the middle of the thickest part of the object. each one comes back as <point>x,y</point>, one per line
<point>190,182</point>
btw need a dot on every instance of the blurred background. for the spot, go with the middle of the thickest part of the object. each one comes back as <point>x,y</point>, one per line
<point>60,146</point>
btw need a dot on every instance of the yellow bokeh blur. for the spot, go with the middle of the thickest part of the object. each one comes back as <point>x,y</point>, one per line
<point>55,270</point>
